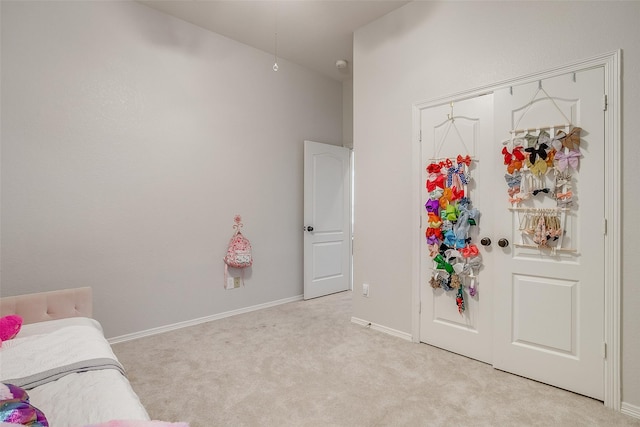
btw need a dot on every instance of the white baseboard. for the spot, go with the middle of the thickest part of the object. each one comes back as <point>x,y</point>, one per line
<point>180,325</point>
<point>380,328</point>
<point>629,409</point>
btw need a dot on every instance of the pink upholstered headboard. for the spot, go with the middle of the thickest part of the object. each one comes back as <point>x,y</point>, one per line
<point>52,305</point>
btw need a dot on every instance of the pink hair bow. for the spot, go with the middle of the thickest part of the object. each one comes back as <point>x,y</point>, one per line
<point>570,159</point>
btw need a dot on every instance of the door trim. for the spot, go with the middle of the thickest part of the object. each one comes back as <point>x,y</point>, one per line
<point>611,62</point>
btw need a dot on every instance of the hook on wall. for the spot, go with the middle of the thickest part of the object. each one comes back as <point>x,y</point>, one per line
<point>450,115</point>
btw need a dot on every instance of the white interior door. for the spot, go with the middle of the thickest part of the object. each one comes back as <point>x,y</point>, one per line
<point>441,324</point>
<point>549,306</point>
<point>538,314</point>
<point>327,219</point>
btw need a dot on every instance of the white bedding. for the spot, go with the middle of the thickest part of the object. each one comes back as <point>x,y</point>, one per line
<point>76,399</point>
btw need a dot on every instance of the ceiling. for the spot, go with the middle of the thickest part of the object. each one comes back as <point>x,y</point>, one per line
<point>311,33</point>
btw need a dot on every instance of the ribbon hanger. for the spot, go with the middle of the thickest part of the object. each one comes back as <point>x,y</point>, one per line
<point>530,104</point>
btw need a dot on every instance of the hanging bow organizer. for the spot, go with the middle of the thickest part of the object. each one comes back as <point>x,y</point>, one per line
<point>539,163</point>
<point>456,260</point>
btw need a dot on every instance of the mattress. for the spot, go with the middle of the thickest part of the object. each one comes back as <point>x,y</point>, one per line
<point>73,399</point>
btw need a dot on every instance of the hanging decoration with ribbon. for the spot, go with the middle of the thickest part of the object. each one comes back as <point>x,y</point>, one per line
<point>456,260</point>
<point>539,162</point>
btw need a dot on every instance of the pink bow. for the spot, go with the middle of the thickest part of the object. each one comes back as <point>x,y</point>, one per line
<point>564,160</point>
<point>562,196</point>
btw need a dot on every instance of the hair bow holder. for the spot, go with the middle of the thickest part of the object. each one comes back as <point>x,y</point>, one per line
<point>539,162</point>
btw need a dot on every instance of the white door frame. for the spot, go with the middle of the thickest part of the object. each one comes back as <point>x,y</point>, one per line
<point>612,240</point>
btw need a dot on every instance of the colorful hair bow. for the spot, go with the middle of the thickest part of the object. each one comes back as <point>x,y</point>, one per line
<point>515,200</point>
<point>473,214</point>
<point>543,138</point>
<point>436,194</point>
<point>514,159</point>
<point>514,166</point>
<point>451,253</point>
<point>534,153</point>
<point>507,155</point>
<point>531,140</point>
<point>434,168</point>
<point>466,160</point>
<point>464,203</point>
<point>441,264</point>
<point>540,190</point>
<point>570,159</point>
<point>434,249</point>
<point>472,264</point>
<point>540,233</point>
<point>513,180</point>
<point>458,267</point>
<point>451,212</point>
<point>460,300</point>
<point>449,238</point>
<point>562,179</point>
<point>456,194</point>
<point>434,232</point>
<point>435,180</point>
<point>469,251</point>
<point>446,163</point>
<point>434,220</point>
<point>443,248</point>
<point>572,139</point>
<point>432,240</point>
<point>445,283</point>
<point>456,171</point>
<point>538,168</point>
<point>447,194</point>
<point>461,242</point>
<point>473,290</point>
<point>551,154</point>
<point>564,196</point>
<point>461,228</point>
<point>433,206</point>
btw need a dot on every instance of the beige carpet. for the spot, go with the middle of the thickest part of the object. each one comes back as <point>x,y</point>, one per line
<point>306,364</point>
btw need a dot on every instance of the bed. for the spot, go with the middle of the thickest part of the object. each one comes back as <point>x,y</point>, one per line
<point>63,361</point>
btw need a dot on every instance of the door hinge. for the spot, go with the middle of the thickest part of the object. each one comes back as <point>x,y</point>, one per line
<point>604,226</point>
<point>604,102</point>
<point>604,350</point>
<point>420,135</point>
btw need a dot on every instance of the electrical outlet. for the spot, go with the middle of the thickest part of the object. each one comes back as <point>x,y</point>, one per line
<point>232,283</point>
<point>365,289</point>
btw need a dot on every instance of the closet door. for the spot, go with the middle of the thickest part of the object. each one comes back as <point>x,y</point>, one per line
<point>469,133</point>
<point>549,308</point>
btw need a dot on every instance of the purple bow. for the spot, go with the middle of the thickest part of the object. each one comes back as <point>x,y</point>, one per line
<point>433,206</point>
<point>564,160</point>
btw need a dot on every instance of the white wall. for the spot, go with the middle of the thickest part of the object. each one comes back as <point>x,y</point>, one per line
<point>129,141</point>
<point>347,113</point>
<point>430,49</point>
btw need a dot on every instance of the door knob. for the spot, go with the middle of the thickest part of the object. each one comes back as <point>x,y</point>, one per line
<point>485,241</point>
<point>309,228</point>
<point>503,243</point>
